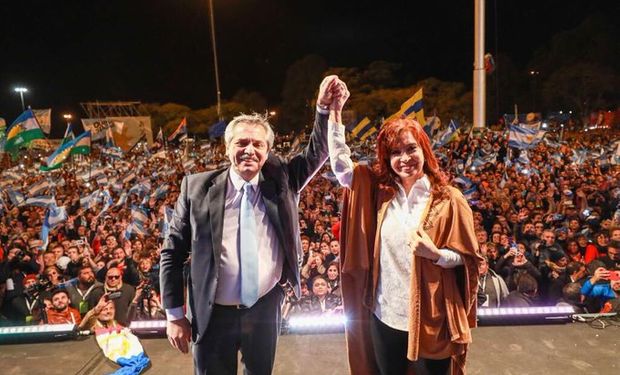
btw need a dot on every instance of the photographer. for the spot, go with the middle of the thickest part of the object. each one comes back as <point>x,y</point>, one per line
<point>146,304</point>
<point>120,293</point>
<point>13,271</point>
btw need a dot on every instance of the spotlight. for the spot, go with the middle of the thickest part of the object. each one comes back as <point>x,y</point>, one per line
<point>148,328</point>
<point>40,333</point>
<point>317,324</point>
<point>525,315</point>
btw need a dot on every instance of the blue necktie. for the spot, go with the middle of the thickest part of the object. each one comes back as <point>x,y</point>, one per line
<point>248,249</point>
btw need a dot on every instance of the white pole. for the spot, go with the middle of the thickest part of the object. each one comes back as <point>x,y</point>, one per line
<point>479,73</point>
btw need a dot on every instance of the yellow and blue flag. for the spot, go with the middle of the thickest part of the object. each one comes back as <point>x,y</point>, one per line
<point>411,108</point>
<point>364,129</point>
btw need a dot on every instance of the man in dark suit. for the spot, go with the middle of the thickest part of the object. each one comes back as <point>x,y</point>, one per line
<point>240,226</point>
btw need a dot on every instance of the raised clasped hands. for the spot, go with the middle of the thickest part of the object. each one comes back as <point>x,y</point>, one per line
<point>333,94</point>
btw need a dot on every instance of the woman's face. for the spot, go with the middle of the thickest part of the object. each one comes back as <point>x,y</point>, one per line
<point>325,248</point>
<point>332,272</point>
<point>573,248</point>
<point>407,158</point>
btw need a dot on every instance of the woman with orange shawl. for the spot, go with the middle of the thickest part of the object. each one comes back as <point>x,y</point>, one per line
<point>409,257</point>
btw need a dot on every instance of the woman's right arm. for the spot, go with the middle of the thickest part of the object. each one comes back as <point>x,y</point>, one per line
<point>339,154</point>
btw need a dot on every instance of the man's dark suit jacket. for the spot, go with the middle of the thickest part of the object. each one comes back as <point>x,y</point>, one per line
<point>196,227</point>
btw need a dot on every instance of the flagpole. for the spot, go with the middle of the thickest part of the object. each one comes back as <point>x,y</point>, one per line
<point>479,104</point>
<point>215,66</point>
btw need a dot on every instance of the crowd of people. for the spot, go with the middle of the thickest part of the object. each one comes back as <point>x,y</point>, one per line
<point>547,223</point>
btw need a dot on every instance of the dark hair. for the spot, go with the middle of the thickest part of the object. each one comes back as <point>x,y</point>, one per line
<point>60,290</point>
<point>572,293</point>
<point>527,284</point>
<point>388,138</point>
<point>573,267</point>
<point>315,278</point>
<point>614,243</point>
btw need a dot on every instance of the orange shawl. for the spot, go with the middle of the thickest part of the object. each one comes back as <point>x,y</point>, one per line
<point>442,302</point>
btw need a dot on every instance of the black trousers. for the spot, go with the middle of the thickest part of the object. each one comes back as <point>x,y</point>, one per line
<point>390,346</point>
<point>252,331</point>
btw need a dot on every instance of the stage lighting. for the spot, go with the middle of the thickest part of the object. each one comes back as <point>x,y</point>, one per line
<point>316,324</point>
<point>525,315</point>
<point>148,327</point>
<point>39,333</point>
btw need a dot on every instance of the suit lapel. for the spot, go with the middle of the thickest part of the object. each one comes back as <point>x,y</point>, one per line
<point>269,194</point>
<point>216,199</point>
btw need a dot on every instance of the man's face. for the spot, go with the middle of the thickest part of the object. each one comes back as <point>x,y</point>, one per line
<point>119,253</point>
<point>86,276</point>
<point>110,242</point>
<point>58,251</point>
<point>549,238</point>
<point>613,252</point>
<point>538,228</point>
<point>248,149</point>
<point>60,301</point>
<point>305,245</point>
<point>107,313</point>
<point>528,228</point>
<point>113,277</point>
<point>319,287</point>
<point>615,235</point>
<point>73,254</point>
<point>49,259</point>
<point>481,236</point>
<point>573,224</point>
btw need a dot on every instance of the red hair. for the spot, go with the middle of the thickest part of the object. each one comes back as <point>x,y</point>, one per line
<point>389,138</point>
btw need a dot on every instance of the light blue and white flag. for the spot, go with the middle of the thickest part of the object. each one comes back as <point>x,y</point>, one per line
<point>53,217</point>
<point>122,199</point>
<point>38,188</point>
<point>16,198</point>
<point>521,138</point>
<point>161,191</point>
<point>41,201</point>
<point>139,215</point>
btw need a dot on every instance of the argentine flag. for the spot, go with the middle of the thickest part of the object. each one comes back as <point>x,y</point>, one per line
<point>123,347</point>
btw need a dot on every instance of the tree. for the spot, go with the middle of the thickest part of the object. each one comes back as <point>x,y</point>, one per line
<point>582,86</point>
<point>300,89</point>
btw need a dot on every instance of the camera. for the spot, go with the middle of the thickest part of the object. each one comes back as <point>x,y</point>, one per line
<point>41,285</point>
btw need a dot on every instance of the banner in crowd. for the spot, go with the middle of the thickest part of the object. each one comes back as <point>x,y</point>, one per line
<point>44,117</point>
<point>126,131</point>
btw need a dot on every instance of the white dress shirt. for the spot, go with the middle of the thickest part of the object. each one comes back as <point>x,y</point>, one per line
<point>270,257</point>
<point>402,216</point>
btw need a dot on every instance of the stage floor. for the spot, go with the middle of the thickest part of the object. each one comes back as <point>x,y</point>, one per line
<point>524,350</point>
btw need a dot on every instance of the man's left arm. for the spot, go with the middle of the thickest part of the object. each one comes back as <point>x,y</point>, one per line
<point>302,167</point>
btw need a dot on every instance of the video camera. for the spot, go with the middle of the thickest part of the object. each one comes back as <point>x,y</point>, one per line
<point>41,285</point>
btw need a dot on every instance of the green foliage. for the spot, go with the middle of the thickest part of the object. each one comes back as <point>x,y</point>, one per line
<point>582,86</point>
<point>299,92</point>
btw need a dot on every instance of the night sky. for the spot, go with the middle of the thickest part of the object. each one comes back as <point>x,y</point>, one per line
<point>70,51</point>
